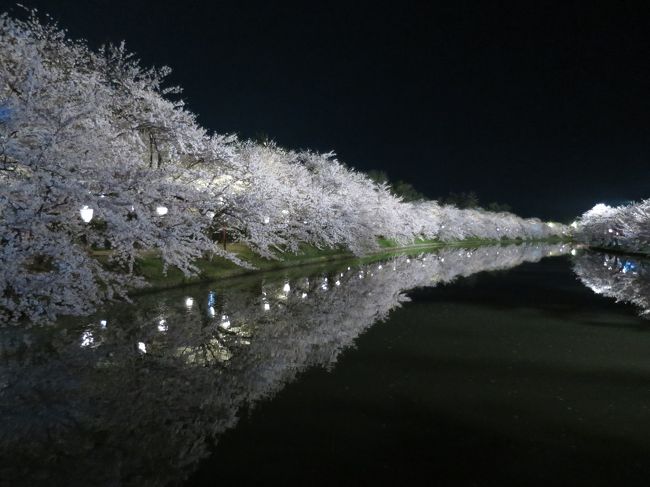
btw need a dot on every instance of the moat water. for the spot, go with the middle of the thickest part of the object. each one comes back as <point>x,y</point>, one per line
<point>517,365</point>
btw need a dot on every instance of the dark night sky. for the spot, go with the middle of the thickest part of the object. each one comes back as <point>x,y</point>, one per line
<point>543,105</point>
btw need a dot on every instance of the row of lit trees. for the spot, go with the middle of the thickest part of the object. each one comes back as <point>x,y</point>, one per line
<point>94,153</point>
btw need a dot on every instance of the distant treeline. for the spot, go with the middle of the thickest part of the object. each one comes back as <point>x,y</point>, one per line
<point>464,200</point>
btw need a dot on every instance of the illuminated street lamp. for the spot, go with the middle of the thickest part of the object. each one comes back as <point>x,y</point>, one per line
<point>86,214</point>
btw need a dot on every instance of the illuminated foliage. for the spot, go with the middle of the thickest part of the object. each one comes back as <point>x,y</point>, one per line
<point>96,154</point>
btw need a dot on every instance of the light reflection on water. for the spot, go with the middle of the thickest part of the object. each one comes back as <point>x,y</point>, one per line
<point>624,278</point>
<point>137,394</point>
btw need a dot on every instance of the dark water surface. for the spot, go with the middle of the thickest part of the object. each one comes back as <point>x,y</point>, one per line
<point>466,367</point>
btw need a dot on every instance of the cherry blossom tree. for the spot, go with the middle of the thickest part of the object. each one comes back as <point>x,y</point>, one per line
<point>626,227</point>
<point>96,154</point>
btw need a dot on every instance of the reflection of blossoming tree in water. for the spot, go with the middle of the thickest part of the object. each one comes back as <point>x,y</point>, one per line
<point>136,399</point>
<point>616,276</point>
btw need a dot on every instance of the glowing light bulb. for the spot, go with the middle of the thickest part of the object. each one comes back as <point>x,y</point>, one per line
<point>600,209</point>
<point>86,213</point>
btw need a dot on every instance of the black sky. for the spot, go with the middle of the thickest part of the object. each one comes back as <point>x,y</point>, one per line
<point>543,105</point>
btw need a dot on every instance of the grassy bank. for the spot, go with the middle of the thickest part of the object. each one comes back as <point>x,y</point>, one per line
<point>151,267</point>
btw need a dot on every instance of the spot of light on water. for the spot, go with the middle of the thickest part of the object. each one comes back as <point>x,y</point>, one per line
<point>267,306</point>
<point>87,339</point>
<point>574,252</point>
<point>225,322</point>
<point>304,295</point>
<point>338,283</point>
<point>103,323</point>
<point>286,288</point>
<point>162,326</point>
<point>162,210</point>
<point>189,302</point>
<point>212,311</point>
<point>142,348</point>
